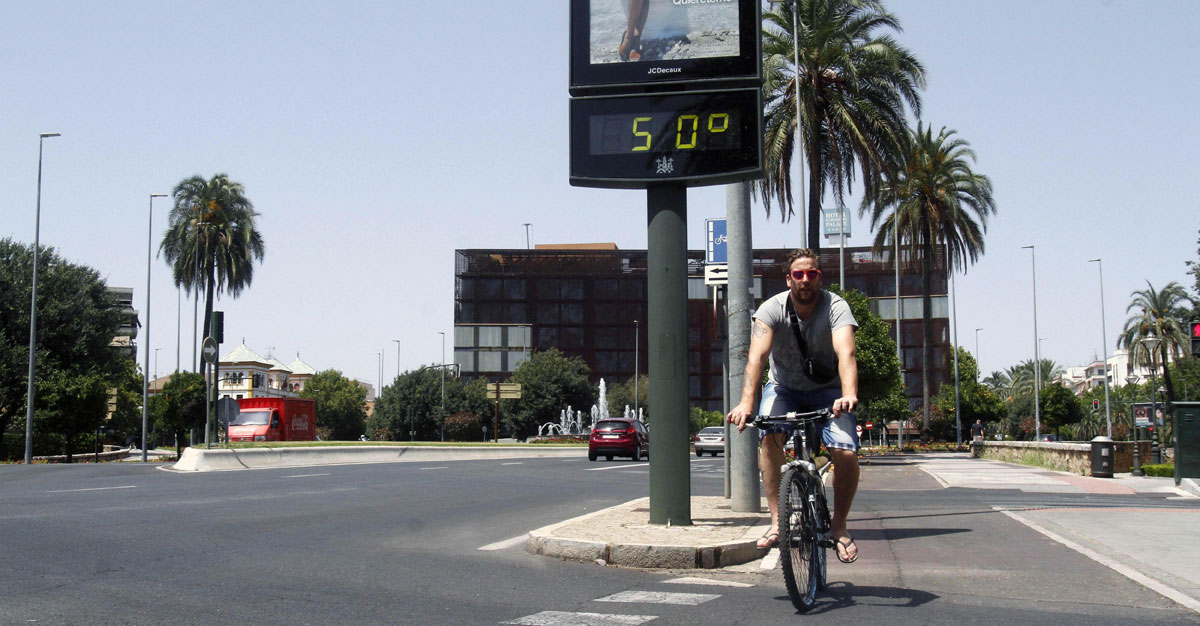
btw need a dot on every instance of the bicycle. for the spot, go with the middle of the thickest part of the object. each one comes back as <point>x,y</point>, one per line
<point>804,523</point>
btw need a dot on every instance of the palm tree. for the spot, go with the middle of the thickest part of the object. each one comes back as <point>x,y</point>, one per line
<point>211,241</point>
<point>853,84</point>
<point>933,199</point>
<point>1160,315</point>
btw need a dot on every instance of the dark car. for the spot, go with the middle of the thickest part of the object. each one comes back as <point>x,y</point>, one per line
<point>710,439</point>
<point>617,436</point>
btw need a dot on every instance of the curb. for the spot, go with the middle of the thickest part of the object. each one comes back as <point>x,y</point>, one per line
<point>550,541</point>
<point>223,460</point>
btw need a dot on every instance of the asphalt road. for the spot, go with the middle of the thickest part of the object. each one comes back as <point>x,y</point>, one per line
<point>425,543</point>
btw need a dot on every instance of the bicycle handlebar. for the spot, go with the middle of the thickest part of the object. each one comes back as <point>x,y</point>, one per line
<point>792,418</point>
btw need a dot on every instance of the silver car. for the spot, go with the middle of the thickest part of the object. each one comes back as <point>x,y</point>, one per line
<point>710,440</point>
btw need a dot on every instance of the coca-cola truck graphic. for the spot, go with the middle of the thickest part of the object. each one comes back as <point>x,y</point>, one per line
<point>275,419</point>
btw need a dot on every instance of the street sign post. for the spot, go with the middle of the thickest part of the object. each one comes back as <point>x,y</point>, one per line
<point>209,351</point>
<point>498,392</point>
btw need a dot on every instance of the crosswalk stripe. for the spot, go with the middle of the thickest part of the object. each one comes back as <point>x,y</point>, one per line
<point>707,581</point>
<point>659,597</point>
<point>771,561</point>
<point>563,618</point>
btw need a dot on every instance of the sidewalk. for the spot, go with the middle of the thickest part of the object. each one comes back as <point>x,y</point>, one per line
<point>1155,546</point>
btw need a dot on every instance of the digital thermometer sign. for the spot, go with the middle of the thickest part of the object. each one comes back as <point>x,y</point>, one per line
<point>692,138</point>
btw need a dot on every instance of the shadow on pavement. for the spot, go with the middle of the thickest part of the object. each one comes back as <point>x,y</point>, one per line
<point>842,595</point>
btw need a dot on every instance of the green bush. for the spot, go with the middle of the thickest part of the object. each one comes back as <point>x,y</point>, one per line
<point>1166,470</point>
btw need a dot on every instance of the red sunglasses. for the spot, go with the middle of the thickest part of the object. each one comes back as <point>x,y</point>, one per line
<point>798,275</point>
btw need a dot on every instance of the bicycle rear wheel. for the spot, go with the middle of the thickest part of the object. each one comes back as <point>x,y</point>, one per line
<point>797,538</point>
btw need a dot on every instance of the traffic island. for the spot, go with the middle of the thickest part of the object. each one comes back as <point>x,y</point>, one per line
<point>623,535</point>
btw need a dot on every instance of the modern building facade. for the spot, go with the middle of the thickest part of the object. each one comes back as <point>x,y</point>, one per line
<point>590,301</point>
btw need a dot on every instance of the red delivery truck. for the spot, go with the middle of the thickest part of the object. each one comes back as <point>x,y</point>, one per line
<point>275,419</point>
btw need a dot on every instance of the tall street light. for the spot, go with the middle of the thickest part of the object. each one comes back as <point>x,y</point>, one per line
<point>1131,380</point>
<point>799,127</point>
<point>977,346</point>
<point>443,368</point>
<point>1037,359</point>
<point>637,337</point>
<point>37,228</point>
<point>397,342</point>
<point>1151,344</point>
<point>378,375</point>
<point>527,225</point>
<point>146,340</point>
<point>954,314</point>
<point>1104,340</point>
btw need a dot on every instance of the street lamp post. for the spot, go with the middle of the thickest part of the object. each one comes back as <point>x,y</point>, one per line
<point>977,346</point>
<point>799,127</point>
<point>443,368</point>
<point>1151,345</point>
<point>1104,342</point>
<point>146,340</point>
<point>1037,359</point>
<point>397,342</point>
<point>37,232</point>
<point>527,225</point>
<point>954,313</point>
<point>1131,380</point>
<point>636,365</point>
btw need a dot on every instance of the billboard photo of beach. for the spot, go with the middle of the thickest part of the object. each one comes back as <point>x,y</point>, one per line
<point>627,31</point>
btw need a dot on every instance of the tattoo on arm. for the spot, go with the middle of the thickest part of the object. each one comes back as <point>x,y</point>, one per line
<point>760,329</point>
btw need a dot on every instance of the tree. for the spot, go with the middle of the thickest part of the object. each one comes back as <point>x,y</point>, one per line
<point>1158,314</point>
<point>341,402</point>
<point>183,406</point>
<point>413,402</point>
<point>71,404</point>
<point>1059,407</point>
<point>211,241</point>
<point>77,320</point>
<point>550,381</point>
<point>853,82</point>
<point>880,387</point>
<point>933,199</point>
<point>976,401</point>
<point>1194,270</point>
<point>621,394</point>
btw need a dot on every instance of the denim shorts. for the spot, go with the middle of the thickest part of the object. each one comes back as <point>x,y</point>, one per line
<point>838,432</point>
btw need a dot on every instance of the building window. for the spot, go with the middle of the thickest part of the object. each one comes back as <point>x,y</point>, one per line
<point>490,336</point>
<point>464,337</point>
<point>490,362</point>
<point>465,359</point>
<point>518,337</point>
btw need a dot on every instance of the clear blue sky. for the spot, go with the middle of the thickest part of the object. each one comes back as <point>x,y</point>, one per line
<point>375,138</point>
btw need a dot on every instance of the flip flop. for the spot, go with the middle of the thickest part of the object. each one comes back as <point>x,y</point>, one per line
<point>844,544</point>
<point>768,541</point>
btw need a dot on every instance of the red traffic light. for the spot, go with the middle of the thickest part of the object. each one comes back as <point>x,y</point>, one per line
<point>1196,330</point>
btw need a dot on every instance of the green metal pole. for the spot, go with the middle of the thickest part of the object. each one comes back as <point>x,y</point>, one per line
<point>666,269</point>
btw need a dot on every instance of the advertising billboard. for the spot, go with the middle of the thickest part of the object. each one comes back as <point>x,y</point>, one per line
<point>619,45</point>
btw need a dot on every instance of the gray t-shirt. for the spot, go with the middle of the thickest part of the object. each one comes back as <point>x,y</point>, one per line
<point>787,366</point>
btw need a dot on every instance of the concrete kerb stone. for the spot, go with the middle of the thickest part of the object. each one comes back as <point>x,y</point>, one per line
<point>215,460</point>
<point>622,536</point>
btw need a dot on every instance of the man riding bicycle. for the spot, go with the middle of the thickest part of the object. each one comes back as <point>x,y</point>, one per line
<point>808,335</point>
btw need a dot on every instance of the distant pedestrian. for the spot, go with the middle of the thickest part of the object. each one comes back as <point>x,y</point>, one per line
<point>977,431</point>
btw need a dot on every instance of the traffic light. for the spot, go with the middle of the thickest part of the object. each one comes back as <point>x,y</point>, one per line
<point>1195,338</point>
<point>1095,405</point>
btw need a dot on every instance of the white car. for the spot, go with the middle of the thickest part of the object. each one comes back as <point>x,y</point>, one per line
<point>710,440</point>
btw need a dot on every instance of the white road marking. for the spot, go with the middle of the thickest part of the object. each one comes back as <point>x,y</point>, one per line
<point>516,463</point>
<point>562,618</point>
<point>659,597</point>
<point>612,467</point>
<point>304,475</point>
<point>771,561</point>
<point>93,489</point>
<point>707,581</point>
<point>439,467</point>
<point>1112,564</point>
<point>507,543</point>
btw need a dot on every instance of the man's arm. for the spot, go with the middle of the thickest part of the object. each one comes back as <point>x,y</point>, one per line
<point>760,348</point>
<point>843,345</point>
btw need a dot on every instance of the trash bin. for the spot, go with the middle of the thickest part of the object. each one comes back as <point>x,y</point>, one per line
<point>1102,457</point>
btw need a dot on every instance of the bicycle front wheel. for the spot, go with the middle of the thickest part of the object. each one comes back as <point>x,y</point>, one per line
<point>797,538</point>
